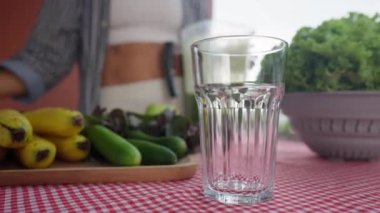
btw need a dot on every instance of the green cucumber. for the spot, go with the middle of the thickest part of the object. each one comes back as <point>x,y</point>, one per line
<point>113,147</point>
<point>175,143</point>
<point>153,154</point>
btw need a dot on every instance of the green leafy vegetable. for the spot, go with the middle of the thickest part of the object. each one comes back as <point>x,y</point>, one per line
<point>340,54</point>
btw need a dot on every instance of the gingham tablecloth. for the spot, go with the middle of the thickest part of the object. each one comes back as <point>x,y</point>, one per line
<point>304,183</point>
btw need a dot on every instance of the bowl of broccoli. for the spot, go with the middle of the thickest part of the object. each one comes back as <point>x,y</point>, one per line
<point>332,87</point>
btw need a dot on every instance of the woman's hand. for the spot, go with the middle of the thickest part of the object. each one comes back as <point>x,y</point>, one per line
<point>10,85</point>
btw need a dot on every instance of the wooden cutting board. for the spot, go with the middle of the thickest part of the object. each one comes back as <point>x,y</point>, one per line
<point>95,172</point>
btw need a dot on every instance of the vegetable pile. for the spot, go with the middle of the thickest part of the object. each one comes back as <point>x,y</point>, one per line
<point>38,137</point>
<point>338,55</point>
<point>159,120</point>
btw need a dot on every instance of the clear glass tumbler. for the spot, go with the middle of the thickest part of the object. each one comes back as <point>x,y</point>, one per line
<point>239,86</point>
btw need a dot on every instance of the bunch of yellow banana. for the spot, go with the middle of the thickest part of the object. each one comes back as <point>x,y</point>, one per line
<point>38,135</point>
<point>15,129</point>
<point>62,127</point>
<point>16,133</point>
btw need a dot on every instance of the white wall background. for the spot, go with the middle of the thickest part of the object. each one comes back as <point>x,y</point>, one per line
<point>282,18</point>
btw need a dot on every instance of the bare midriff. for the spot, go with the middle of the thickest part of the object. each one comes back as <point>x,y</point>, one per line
<point>134,62</point>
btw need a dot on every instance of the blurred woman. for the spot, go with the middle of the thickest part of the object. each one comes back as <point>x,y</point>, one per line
<point>119,44</point>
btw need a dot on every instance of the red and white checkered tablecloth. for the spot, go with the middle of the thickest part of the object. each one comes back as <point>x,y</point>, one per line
<point>304,183</point>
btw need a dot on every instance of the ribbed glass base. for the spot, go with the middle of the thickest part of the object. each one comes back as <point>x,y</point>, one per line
<point>229,198</point>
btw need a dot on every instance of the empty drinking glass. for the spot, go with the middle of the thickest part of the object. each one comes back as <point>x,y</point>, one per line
<point>239,86</point>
